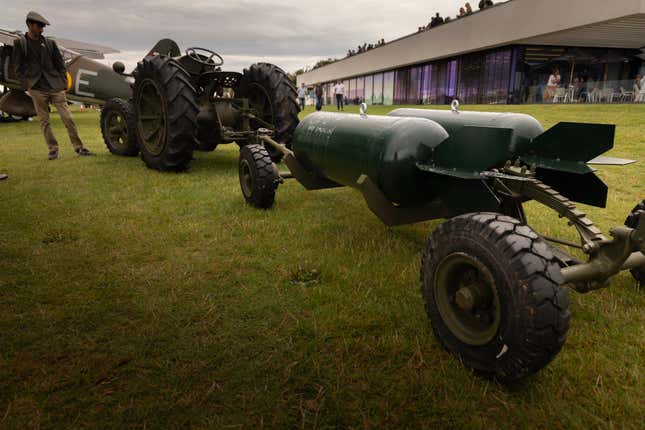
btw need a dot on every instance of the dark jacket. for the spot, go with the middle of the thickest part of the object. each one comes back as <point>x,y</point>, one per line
<point>50,66</point>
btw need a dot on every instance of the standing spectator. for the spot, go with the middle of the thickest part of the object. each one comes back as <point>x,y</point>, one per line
<point>40,67</point>
<point>302,94</point>
<point>639,89</point>
<point>637,83</point>
<point>339,91</point>
<point>436,20</point>
<point>318,92</point>
<point>483,4</point>
<point>469,9</point>
<point>462,12</point>
<point>552,84</point>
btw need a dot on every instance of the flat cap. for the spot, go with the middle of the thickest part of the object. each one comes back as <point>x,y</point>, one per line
<point>35,16</point>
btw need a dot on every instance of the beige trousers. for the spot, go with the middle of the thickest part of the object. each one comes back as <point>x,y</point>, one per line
<point>42,100</point>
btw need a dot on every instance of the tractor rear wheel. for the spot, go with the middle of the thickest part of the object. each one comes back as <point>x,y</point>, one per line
<point>631,222</point>
<point>166,109</point>
<point>258,176</point>
<point>118,127</point>
<point>492,290</point>
<point>274,99</point>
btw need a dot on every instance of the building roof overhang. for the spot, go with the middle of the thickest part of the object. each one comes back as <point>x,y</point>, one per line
<point>584,23</point>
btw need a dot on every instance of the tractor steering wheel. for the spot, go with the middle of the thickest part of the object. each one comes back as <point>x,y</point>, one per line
<point>198,55</point>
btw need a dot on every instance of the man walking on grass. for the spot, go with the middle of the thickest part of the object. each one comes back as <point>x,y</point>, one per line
<point>40,66</point>
<point>302,94</point>
<point>339,90</point>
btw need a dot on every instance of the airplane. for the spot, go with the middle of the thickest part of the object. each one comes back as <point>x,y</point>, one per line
<point>88,81</point>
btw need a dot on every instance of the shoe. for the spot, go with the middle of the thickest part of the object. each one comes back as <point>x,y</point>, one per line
<point>53,154</point>
<point>84,152</point>
<point>3,176</point>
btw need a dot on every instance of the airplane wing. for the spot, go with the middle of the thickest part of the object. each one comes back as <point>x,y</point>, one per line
<point>7,37</point>
<point>89,50</point>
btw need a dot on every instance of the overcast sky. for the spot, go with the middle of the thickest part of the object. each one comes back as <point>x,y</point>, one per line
<point>292,34</point>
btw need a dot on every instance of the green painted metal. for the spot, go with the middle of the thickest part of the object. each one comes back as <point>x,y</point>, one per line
<point>464,126</point>
<point>467,299</point>
<point>386,149</point>
<point>575,142</point>
<point>480,141</point>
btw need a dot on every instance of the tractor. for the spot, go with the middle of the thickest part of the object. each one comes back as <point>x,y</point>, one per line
<point>183,103</point>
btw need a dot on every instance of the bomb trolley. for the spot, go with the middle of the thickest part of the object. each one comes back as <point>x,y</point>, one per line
<point>494,289</point>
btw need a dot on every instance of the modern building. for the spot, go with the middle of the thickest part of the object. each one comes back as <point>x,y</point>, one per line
<point>504,54</point>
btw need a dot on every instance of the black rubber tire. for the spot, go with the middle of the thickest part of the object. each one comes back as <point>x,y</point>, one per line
<point>631,222</point>
<point>256,166</point>
<point>130,147</point>
<point>283,99</point>
<point>180,107</point>
<point>534,307</point>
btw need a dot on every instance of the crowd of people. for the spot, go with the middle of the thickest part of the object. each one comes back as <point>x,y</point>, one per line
<point>586,88</point>
<point>365,47</point>
<point>317,95</point>
<point>434,22</point>
<point>465,10</point>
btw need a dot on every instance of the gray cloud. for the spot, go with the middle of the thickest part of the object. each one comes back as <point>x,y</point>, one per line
<point>294,33</point>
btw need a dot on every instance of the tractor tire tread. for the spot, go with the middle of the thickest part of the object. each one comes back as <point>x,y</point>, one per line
<point>181,112</point>
<point>284,101</point>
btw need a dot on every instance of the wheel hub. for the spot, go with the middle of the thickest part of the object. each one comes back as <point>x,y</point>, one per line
<point>151,118</point>
<point>117,129</point>
<point>246,178</point>
<point>467,299</point>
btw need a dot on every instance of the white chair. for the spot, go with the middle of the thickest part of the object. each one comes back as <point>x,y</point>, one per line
<point>593,96</point>
<point>626,96</point>
<point>608,95</point>
<point>570,97</point>
<point>560,94</point>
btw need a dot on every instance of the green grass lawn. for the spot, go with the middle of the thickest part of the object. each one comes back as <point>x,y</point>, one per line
<point>134,299</point>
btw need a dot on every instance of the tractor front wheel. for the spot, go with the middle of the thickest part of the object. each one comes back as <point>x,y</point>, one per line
<point>631,222</point>
<point>118,127</point>
<point>258,176</point>
<point>166,109</point>
<point>492,290</point>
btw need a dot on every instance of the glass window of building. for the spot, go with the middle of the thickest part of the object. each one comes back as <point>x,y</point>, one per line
<point>369,88</point>
<point>377,96</point>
